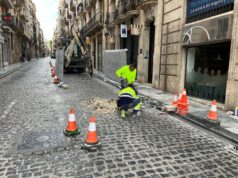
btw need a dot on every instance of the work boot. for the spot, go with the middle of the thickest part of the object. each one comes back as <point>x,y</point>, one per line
<point>136,113</point>
<point>123,114</point>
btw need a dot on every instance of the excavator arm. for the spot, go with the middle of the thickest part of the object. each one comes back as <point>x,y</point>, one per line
<point>69,51</point>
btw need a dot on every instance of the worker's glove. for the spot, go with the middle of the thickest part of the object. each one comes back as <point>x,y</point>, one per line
<point>123,83</point>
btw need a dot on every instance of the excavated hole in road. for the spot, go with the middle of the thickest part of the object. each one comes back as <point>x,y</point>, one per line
<point>102,106</point>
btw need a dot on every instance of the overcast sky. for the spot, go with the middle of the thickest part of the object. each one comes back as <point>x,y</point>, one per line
<point>47,12</point>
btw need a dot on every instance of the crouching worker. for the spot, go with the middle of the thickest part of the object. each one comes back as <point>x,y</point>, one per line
<point>128,99</point>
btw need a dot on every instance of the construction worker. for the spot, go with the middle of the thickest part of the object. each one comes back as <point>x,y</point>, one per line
<point>128,99</point>
<point>127,74</point>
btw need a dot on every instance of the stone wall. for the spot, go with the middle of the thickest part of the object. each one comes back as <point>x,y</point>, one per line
<point>171,53</point>
<point>232,83</point>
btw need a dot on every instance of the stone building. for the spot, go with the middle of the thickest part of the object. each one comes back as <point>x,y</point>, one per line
<point>179,44</point>
<point>20,30</point>
<point>197,48</point>
<point>175,43</point>
<point>67,19</point>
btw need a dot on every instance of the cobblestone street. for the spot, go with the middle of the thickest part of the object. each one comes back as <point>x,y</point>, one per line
<point>34,113</point>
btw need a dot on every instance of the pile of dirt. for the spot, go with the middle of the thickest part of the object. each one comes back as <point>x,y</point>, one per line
<point>102,106</point>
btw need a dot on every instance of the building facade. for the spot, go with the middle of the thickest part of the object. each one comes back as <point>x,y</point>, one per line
<point>197,49</point>
<point>175,43</point>
<point>20,32</point>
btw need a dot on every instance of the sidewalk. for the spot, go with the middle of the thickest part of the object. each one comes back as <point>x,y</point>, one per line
<point>13,67</point>
<point>228,126</point>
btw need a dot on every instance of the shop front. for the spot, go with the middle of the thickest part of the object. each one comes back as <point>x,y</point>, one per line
<point>207,71</point>
<point>207,61</point>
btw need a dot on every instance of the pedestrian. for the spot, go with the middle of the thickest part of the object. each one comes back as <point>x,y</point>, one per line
<point>90,68</point>
<point>127,74</point>
<point>128,99</point>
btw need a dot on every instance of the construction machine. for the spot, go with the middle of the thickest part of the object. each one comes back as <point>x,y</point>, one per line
<point>76,54</point>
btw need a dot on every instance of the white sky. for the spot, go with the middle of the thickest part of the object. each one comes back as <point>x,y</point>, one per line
<point>47,12</point>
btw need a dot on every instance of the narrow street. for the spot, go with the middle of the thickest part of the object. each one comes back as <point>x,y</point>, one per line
<point>34,113</point>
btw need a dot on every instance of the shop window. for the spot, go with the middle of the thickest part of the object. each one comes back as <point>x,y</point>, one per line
<point>207,71</point>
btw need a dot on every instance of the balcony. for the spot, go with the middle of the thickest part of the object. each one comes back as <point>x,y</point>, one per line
<point>66,4</point>
<point>92,2</point>
<point>13,22</point>
<point>8,3</point>
<point>81,10</point>
<point>66,21</point>
<point>69,14</point>
<point>145,4</point>
<point>110,20</point>
<point>23,13</point>
<point>86,4</point>
<point>125,10</point>
<point>73,5</point>
<point>93,25</point>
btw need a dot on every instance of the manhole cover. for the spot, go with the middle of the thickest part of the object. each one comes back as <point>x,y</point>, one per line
<point>39,141</point>
<point>42,138</point>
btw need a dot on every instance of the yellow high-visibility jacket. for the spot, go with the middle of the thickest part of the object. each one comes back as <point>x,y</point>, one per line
<point>125,73</point>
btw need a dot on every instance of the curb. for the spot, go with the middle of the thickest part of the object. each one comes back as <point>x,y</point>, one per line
<point>16,69</point>
<point>219,131</point>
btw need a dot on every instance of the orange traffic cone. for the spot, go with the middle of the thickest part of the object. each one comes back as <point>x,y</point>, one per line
<point>91,143</point>
<point>72,126</point>
<point>52,71</point>
<point>212,115</point>
<point>56,80</point>
<point>183,104</point>
<point>175,101</point>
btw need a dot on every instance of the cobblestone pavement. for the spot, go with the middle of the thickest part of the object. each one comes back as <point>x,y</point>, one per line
<point>34,112</point>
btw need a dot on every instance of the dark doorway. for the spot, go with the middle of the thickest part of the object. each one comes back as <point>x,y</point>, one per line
<point>151,52</point>
<point>130,43</point>
<point>100,53</point>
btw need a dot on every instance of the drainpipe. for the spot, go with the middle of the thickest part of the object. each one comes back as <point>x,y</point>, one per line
<point>161,42</point>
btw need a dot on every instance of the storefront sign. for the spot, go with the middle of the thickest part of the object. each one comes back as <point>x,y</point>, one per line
<point>7,20</point>
<point>196,7</point>
<point>123,31</point>
<point>135,29</point>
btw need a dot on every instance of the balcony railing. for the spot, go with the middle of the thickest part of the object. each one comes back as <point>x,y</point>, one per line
<point>23,13</point>
<point>110,20</point>
<point>8,3</point>
<point>13,22</point>
<point>66,4</point>
<point>81,9</point>
<point>73,5</point>
<point>146,3</point>
<point>86,4</point>
<point>125,6</point>
<point>125,10</point>
<point>94,24</point>
<point>69,14</point>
